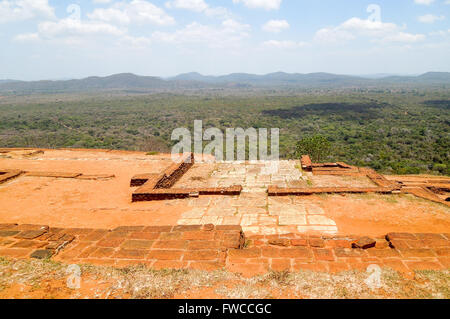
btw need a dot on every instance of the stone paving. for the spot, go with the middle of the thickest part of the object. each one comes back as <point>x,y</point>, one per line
<point>403,252</point>
<point>259,214</point>
<point>253,176</point>
<point>198,246</point>
<point>210,247</point>
<point>254,210</point>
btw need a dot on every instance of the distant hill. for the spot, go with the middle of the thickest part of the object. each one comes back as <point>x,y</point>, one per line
<point>277,79</point>
<point>193,76</point>
<point>427,78</point>
<point>128,81</point>
<point>7,81</point>
<point>116,81</point>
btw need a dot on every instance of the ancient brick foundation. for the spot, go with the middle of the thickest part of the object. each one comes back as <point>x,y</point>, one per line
<point>166,179</point>
<point>403,252</point>
<point>199,246</point>
<point>210,247</point>
<point>8,175</point>
<point>158,187</point>
<point>144,194</point>
<point>277,191</point>
<point>175,172</point>
<point>11,174</point>
<point>427,189</point>
<point>424,193</point>
<point>306,163</point>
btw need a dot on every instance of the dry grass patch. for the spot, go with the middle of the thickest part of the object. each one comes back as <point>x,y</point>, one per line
<point>139,282</point>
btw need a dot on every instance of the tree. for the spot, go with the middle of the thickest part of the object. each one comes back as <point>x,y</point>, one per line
<point>152,143</point>
<point>317,147</point>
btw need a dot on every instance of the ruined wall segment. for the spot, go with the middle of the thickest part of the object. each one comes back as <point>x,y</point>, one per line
<point>210,247</point>
<point>158,187</point>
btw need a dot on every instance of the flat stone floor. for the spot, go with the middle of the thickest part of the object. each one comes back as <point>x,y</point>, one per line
<point>254,177</point>
<point>257,176</point>
<point>259,214</point>
<point>253,210</point>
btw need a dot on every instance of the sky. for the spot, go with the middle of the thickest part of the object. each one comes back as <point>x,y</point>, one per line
<point>59,39</point>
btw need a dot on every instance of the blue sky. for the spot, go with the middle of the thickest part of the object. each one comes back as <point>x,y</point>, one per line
<point>47,39</point>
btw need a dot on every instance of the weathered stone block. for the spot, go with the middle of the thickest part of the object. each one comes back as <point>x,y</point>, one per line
<point>364,243</point>
<point>42,254</point>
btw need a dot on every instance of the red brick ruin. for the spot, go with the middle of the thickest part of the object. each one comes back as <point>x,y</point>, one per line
<point>426,190</point>
<point>158,186</point>
<point>211,247</point>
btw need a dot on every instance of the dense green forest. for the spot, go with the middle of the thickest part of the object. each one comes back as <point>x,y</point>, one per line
<point>400,132</point>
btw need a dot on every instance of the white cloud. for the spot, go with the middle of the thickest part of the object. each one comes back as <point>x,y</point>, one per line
<point>103,25</point>
<point>199,6</point>
<point>228,34</point>
<point>101,1</point>
<point>424,2</point>
<point>110,15</point>
<point>193,5</point>
<point>261,4</point>
<point>441,33</point>
<point>137,11</point>
<point>19,10</point>
<point>403,37</point>
<point>74,27</point>
<point>73,32</point>
<point>27,37</point>
<point>275,26</point>
<point>137,42</point>
<point>219,12</point>
<point>430,18</point>
<point>284,44</point>
<point>376,31</point>
<point>441,37</point>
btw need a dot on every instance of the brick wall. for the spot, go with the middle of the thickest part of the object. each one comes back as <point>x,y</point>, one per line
<point>158,187</point>
<point>306,163</point>
<point>277,191</point>
<point>198,246</point>
<point>210,247</point>
<point>8,175</point>
<point>146,194</point>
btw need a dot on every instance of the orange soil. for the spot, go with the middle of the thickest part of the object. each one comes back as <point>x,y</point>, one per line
<point>94,288</point>
<point>57,289</point>
<point>61,202</point>
<point>377,215</point>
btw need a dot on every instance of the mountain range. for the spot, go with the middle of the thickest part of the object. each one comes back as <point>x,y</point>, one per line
<point>129,81</point>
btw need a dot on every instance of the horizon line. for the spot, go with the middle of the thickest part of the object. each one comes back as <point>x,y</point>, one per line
<point>366,75</point>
